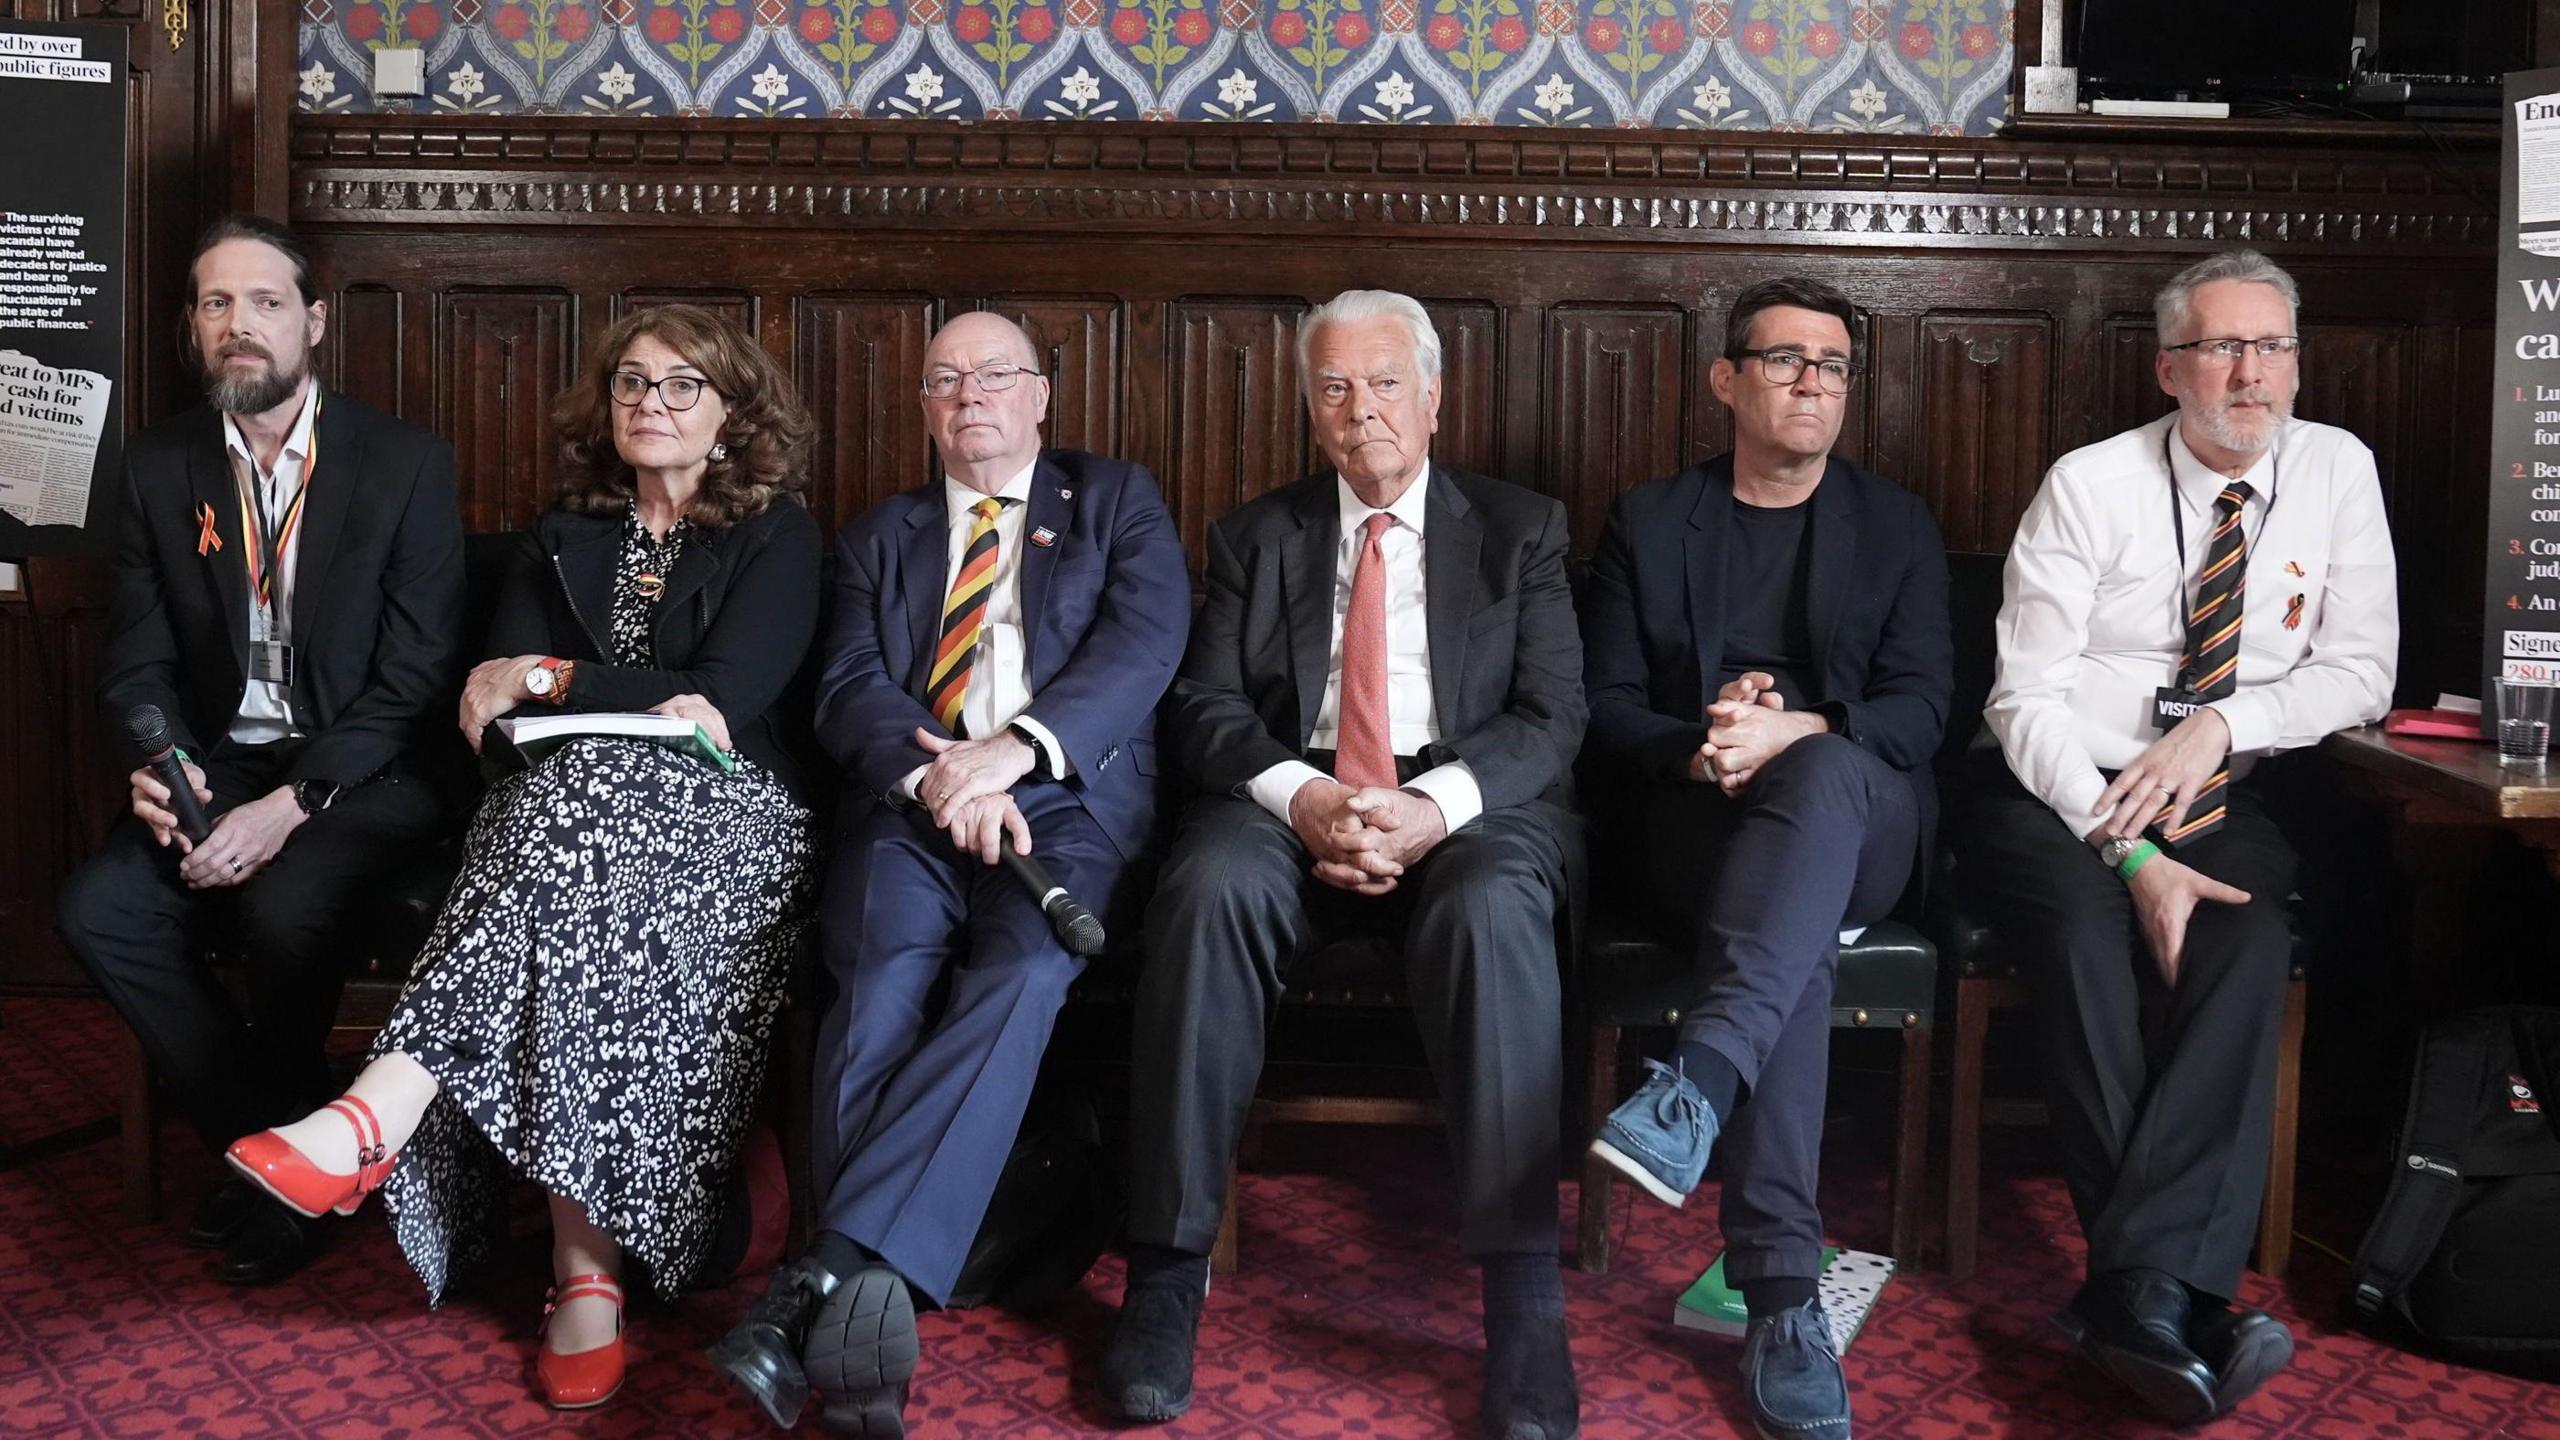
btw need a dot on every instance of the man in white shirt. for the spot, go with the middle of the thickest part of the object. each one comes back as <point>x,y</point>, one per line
<point>1380,707</point>
<point>2183,601</point>
<point>996,645</point>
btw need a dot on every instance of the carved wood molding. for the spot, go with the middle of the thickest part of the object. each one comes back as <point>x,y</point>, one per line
<point>1185,179</point>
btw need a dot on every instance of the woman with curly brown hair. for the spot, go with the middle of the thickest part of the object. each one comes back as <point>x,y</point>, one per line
<point>593,1008</point>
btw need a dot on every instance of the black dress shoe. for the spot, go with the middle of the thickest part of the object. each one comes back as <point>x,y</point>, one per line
<point>269,1244</point>
<point>2132,1325</point>
<point>221,1213</point>
<point>862,1351</point>
<point>1529,1392</point>
<point>762,1352</point>
<point>2244,1348</point>
<point>1146,1372</point>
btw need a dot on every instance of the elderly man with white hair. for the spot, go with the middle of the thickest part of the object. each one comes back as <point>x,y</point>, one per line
<point>2184,601</point>
<point>1378,715</point>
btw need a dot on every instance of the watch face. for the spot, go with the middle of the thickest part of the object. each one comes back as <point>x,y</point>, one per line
<point>539,678</point>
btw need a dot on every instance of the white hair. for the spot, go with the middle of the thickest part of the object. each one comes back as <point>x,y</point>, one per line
<point>2173,309</point>
<point>1353,306</point>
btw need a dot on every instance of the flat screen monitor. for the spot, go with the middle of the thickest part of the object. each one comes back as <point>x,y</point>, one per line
<point>2217,49</point>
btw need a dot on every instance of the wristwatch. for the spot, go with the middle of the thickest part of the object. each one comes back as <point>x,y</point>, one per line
<point>548,682</point>
<point>2115,852</point>
<point>314,796</point>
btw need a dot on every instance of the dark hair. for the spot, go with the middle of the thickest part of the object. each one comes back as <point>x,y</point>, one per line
<point>767,431</point>
<point>1795,290</point>
<point>240,225</point>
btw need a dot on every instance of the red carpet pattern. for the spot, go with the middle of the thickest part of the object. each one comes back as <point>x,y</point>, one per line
<point>1354,1316</point>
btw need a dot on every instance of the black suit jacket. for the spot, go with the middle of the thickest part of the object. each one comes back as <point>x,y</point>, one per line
<point>1506,663</point>
<point>377,592</point>
<point>1875,602</point>
<point>734,625</point>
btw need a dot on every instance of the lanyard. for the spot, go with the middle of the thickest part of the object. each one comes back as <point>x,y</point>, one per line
<point>2178,521</point>
<point>267,547</point>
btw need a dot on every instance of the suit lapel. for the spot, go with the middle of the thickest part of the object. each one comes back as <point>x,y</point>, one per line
<point>211,486</point>
<point>1306,587</point>
<point>923,566</point>
<point>1835,554</point>
<point>1703,553</point>
<point>586,563</point>
<point>1050,510</point>
<point>1451,539</point>
<point>339,460</point>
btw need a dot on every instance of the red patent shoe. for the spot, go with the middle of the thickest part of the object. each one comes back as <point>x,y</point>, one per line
<point>588,1378</point>
<point>270,1161</point>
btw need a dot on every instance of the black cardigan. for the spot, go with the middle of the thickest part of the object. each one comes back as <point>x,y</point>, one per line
<point>734,625</point>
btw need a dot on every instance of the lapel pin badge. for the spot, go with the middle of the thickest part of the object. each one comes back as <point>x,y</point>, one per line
<point>2293,613</point>
<point>1066,494</point>
<point>1044,537</point>
<point>2294,568</point>
<point>206,541</point>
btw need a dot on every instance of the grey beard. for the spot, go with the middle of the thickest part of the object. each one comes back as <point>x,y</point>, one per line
<point>253,395</point>
<point>2215,424</point>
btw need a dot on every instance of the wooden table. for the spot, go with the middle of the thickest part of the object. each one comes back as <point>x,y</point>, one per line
<point>2456,782</point>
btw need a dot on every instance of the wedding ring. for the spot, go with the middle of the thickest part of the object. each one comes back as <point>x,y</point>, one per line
<point>235,867</point>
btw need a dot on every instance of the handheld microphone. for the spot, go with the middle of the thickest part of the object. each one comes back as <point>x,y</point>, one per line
<point>1076,927</point>
<point>149,731</point>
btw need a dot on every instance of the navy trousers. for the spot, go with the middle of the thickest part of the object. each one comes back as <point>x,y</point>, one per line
<point>1820,841</point>
<point>948,980</point>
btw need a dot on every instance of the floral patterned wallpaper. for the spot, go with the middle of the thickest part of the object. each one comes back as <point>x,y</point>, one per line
<point>1937,67</point>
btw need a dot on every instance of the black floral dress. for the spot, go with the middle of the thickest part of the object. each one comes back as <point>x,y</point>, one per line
<point>598,996</point>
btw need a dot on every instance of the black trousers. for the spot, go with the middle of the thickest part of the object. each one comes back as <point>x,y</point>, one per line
<point>1821,840</point>
<point>2162,1096</point>
<point>141,934</point>
<point>1476,922</point>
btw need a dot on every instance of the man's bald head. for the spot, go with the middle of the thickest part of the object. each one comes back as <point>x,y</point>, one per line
<point>983,398</point>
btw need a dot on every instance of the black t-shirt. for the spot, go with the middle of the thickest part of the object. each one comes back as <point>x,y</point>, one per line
<point>1766,565</point>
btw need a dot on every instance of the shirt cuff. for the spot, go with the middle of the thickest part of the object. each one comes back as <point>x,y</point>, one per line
<point>2252,719</point>
<point>2077,807</point>
<point>907,787</point>
<point>1275,787</point>
<point>1053,756</point>
<point>1454,789</point>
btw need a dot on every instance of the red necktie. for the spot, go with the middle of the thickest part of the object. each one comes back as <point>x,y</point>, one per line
<point>1363,755</point>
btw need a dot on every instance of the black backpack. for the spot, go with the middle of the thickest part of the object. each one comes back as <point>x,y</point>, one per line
<point>2464,1258</point>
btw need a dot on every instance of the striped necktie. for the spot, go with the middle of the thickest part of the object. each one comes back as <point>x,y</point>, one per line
<point>964,618</point>
<point>2210,669</point>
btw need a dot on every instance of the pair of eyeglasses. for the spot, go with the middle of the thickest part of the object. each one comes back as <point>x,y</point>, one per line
<point>2271,349</point>
<point>994,377</point>
<point>676,392</point>
<point>1784,367</point>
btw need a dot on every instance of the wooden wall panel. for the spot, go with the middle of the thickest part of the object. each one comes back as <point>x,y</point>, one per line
<point>2359,377</point>
<point>859,361</point>
<point>1083,345</point>
<point>363,350</point>
<point>1614,394</point>
<point>736,307</point>
<point>1985,426</point>
<point>2131,394</point>
<point>1470,435</point>
<point>502,355</point>
<point>1238,424</point>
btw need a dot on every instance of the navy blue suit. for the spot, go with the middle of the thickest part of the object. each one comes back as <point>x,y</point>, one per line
<point>916,1104</point>
<point>1822,838</point>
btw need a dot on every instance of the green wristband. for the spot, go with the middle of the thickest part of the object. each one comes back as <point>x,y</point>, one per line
<point>2143,854</point>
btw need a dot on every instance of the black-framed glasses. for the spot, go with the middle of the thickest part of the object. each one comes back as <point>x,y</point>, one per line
<point>676,392</point>
<point>995,377</point>
<point>2272,348</point>
<point>1785,367</point>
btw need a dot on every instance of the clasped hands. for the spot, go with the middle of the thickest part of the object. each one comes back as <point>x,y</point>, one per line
<point>244,840</point>
<point>968,788</point>
<point>1747,726</point>
<point>1362,840</point>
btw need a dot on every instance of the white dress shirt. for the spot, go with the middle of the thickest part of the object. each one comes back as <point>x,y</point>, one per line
<point>2093,616</point>
<point>1413,719</point>
<point>263,716</point>
<point>1000,673</point>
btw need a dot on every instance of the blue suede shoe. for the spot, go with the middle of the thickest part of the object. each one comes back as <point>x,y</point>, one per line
<point>1661,1136</point>
<point>1793,1374</point>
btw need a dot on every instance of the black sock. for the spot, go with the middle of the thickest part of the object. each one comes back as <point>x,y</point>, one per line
<point>1521,1284</point>
<point>1772,1294</point>
<point>837,1254</point>
<point>1164,1265</point>
<point>1713,1074</point>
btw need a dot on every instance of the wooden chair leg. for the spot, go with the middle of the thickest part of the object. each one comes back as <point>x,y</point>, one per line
<point>1911,1153</point>
<point>1222,1252</point>
<point>140,1127</point>
<point>1964,1127</point>
<point>1592,1253</point>
<point>2275,1213</point>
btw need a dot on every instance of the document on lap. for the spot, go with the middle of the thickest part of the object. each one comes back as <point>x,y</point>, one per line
<point>535,736</point>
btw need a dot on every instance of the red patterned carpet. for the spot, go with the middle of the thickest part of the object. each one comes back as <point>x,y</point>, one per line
<point>1354,1317</point>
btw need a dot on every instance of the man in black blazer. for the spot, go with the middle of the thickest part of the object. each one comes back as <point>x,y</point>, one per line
<point>1765,642</point>
<point>288,593</point>
<point>1380,707</point>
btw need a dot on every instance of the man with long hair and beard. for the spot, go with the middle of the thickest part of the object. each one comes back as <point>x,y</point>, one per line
<point>288,595</point>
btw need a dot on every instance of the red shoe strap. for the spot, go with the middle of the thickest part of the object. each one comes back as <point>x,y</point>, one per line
<point>360,1118</point>
<point>578,1286</point>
